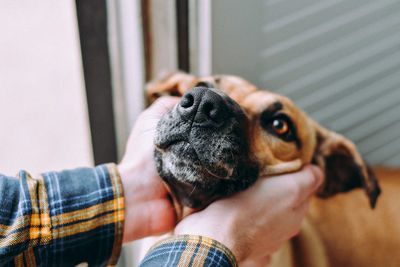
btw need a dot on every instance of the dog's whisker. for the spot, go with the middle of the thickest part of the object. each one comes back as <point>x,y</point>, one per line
<point>194,188</point>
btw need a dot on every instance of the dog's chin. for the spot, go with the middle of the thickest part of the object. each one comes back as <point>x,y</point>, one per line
<point>181,160</point>
<point>201,164</point>
<point>194,185</point>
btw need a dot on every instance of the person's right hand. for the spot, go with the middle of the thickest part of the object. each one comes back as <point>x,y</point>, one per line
<point>256,222</point>
<point>148,208</point>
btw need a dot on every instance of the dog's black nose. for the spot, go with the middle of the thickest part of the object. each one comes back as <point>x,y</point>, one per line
<point>203,106</point>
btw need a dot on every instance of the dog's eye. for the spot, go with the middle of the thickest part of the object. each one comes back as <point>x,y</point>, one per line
<point>280,126</point>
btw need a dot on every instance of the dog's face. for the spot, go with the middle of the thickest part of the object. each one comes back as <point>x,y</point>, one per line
<point>224,133</point>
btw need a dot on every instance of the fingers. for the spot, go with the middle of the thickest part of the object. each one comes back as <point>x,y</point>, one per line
<point>318,174</point>
<point>303,183</point>
<point>162,104</point>
<point>311,178</point>
<point>149,118</point>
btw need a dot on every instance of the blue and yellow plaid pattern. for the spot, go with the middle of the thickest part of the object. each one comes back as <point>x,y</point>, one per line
<point>187,251</point>
<point>62,218</point>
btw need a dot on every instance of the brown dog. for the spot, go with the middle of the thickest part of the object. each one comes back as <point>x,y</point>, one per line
<point>225,133</point>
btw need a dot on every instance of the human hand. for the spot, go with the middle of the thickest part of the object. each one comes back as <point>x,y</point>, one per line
<point>256,222</point>
<point>148,210</point>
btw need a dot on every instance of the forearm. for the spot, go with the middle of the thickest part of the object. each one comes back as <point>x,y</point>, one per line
<point>185,250</point>
<point>62,218</point>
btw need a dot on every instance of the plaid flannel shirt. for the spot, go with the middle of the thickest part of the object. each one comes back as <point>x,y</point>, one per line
<point>62,218</point>
<point>189,250</point>
<point>70,217</point>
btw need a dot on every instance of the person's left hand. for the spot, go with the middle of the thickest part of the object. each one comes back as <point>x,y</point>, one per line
<point>148,210</point>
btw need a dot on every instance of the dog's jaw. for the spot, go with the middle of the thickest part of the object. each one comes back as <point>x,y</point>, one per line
<point>201,164</point>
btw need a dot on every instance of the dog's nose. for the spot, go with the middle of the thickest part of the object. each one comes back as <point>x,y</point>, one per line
<point>203,106</point>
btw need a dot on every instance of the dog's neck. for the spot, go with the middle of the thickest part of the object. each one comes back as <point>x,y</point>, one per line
<point>305,249</point>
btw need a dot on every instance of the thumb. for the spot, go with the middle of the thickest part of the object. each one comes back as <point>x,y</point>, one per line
<point>309,179</point>
<point>318,175</point>
<point>163,104</point>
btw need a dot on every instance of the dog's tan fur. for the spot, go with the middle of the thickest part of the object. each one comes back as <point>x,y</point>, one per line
<point>341,230</point>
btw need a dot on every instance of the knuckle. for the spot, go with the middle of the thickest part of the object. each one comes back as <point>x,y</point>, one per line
<point>160,101</point>
<point>312,177</point>
<point>165,101</point>
<point>315,176</point>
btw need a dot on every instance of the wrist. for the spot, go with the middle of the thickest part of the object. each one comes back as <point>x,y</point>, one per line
<point>128,175</point>
<point>148,210</point>
<point>225,233</point>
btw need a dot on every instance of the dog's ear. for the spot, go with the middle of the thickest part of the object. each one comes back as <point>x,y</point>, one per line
<point>344,168</point>
<point>174,84</point>
<point>204,84</point>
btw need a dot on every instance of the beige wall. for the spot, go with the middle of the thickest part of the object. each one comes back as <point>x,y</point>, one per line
<point>43,113</point>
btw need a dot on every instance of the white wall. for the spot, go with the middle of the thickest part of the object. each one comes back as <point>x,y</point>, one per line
<point>43,113</point>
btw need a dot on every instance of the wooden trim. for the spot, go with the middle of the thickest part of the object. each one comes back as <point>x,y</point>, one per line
<point>200,37</point>
<point>92,23</point>
<point>182,16</point>
<point>159,35</point>
<point>146,22</point>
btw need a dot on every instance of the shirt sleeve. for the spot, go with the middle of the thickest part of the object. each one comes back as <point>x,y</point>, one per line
<point>189,250</point>
<point>62,218</point>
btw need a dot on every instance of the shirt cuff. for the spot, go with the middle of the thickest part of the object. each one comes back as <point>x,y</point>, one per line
<point>119,214</point>
<point>86,209</point>
<point>185,250</point>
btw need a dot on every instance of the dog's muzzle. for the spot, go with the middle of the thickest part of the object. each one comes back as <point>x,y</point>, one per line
<point>202,150</point>
<point>204,108</point>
